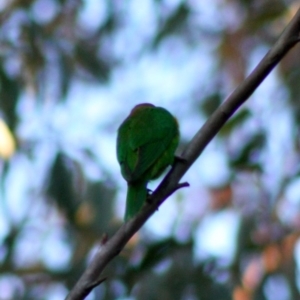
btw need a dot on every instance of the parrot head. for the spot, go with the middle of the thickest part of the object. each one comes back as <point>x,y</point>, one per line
<point>139,107</point>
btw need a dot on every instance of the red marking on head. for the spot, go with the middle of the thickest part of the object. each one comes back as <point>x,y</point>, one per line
<point>141,106</point>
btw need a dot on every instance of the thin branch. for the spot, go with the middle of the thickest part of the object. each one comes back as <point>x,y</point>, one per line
<point>116,243</point>
<point>96,283</point>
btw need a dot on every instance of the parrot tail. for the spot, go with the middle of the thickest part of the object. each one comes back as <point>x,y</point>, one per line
<point>136,197</point>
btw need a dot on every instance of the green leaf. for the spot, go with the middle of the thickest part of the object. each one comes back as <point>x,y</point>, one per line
<point>61,187</point>
<point>157,252</point>
<point>173,23</point>
<point>239,118</point>
<point>9,95</point>
<point>211,103</point>
<point>247,156</point>
<point>66,71</point>
<point>86,56</point>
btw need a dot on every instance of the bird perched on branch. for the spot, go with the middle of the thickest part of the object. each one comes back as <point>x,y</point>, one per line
<point>146,144</point>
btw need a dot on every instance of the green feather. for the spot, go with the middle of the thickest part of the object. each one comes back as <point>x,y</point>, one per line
<point>136,196</point>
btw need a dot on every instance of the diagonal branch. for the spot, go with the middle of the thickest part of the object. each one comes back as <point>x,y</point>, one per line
<point>289,38</point>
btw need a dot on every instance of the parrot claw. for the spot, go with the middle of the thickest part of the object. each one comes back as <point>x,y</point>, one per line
<point>180,159</point>
<point>148,199</point>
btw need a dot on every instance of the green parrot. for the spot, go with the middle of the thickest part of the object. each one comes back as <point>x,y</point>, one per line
<point>146,144</point>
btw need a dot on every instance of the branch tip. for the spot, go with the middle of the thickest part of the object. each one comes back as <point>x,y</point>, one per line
<point>182,185</point>
<point>96,283</point>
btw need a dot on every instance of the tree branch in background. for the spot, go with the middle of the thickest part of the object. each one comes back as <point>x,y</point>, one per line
<point>116,243</point>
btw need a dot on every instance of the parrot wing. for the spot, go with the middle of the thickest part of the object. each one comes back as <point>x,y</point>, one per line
<point>124,153</point>
<point>148,140</point>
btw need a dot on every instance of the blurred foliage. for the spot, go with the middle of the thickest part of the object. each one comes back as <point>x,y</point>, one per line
<point>46,47</point>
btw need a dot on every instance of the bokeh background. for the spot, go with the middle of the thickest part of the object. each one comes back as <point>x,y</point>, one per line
<point>70,72</point>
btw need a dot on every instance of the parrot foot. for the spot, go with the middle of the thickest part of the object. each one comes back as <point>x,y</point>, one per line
<point>180,159</point>
<point>148,198</point>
